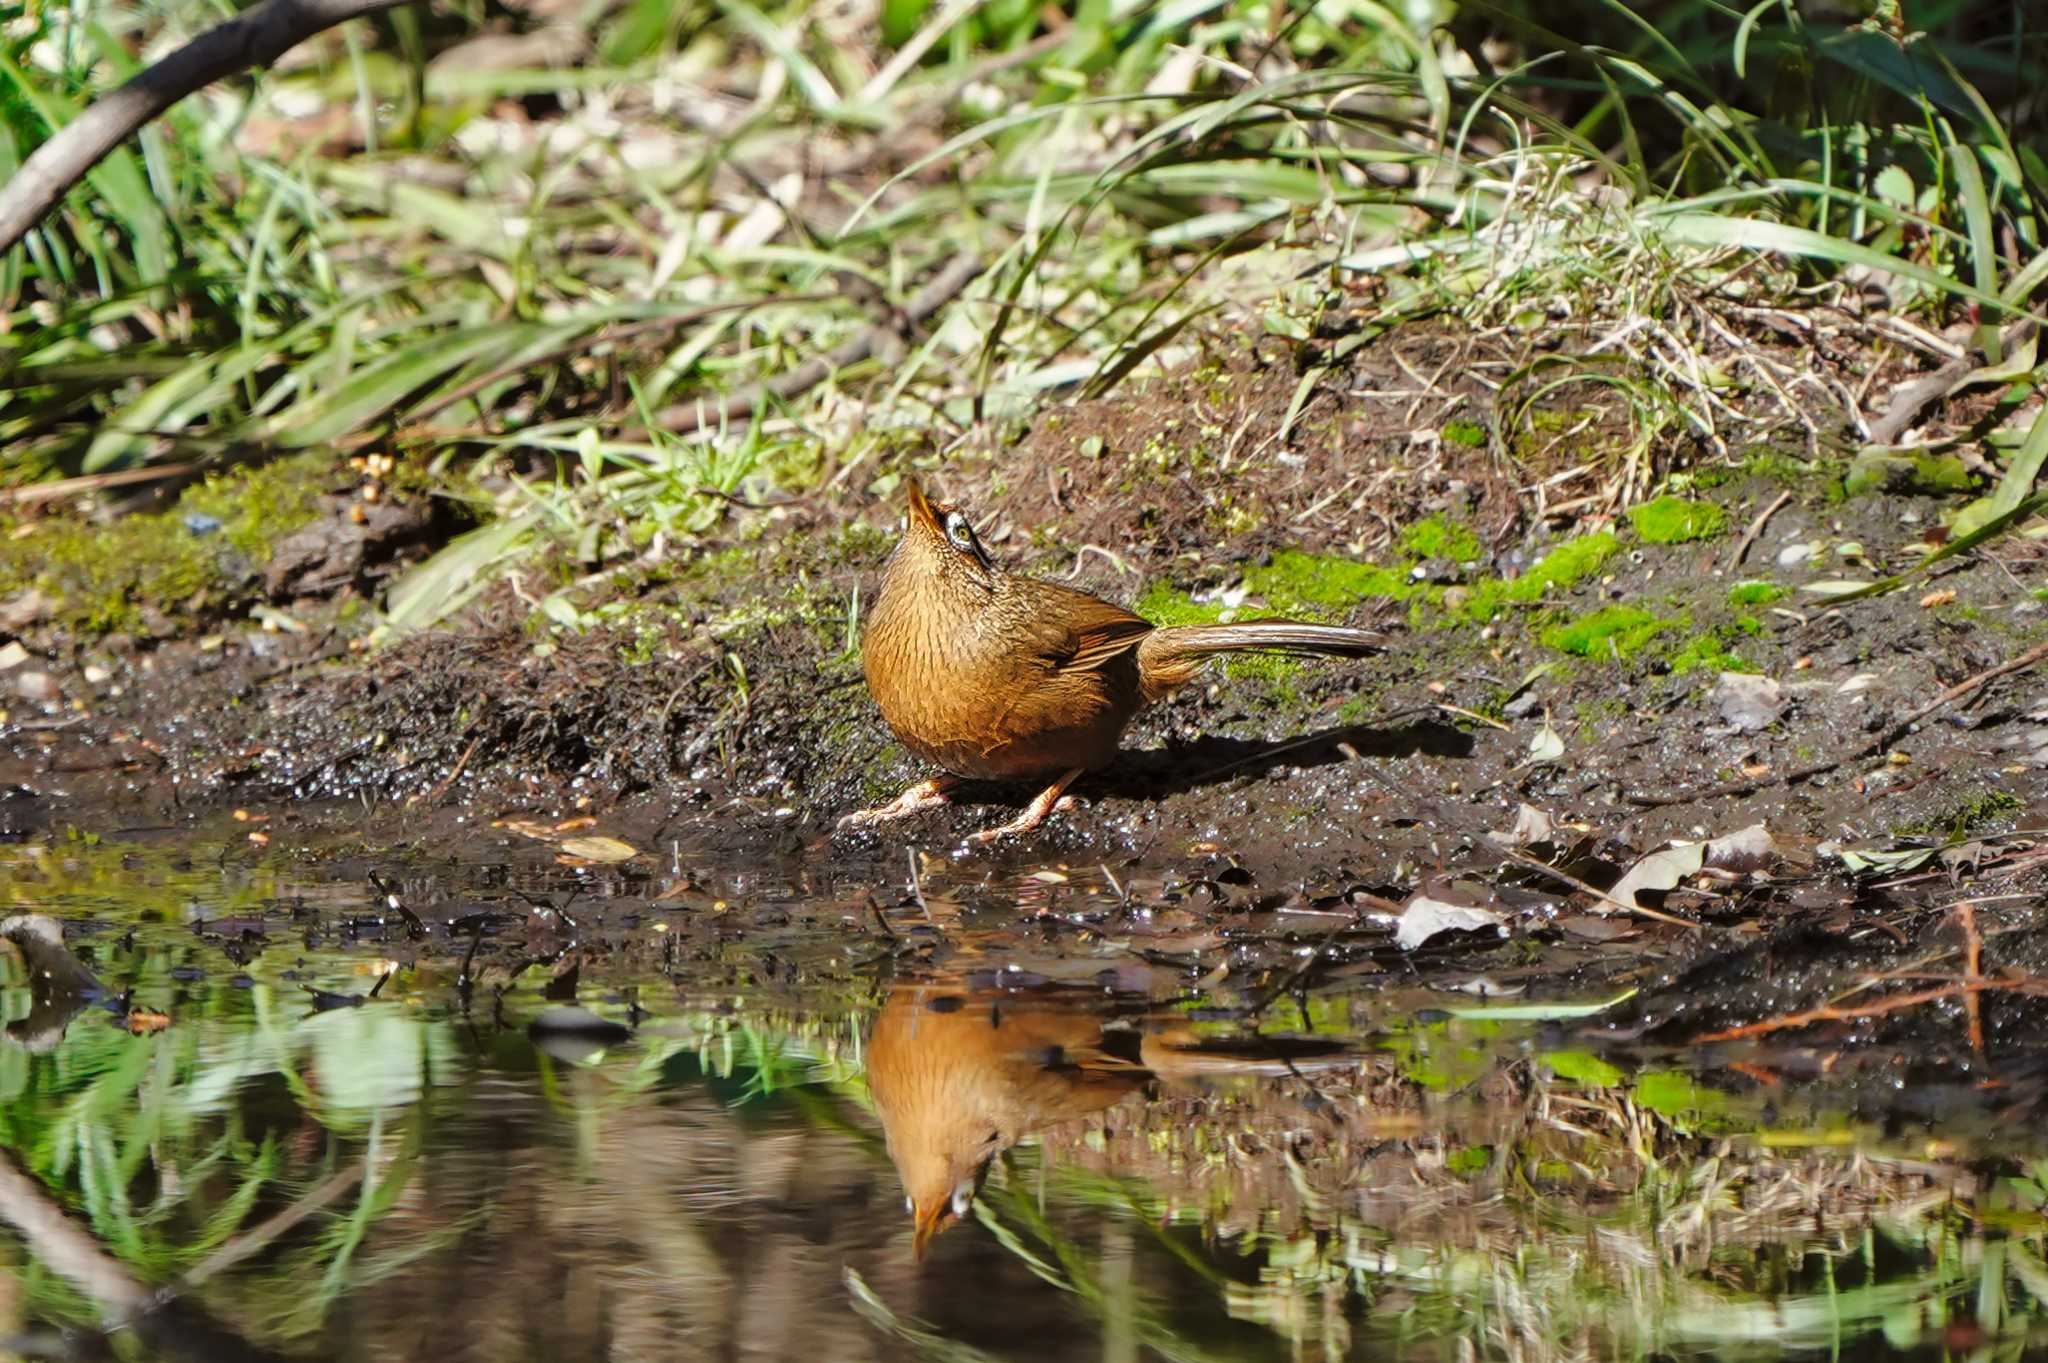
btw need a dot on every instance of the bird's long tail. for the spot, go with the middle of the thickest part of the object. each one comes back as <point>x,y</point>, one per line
<point>1168,657</point>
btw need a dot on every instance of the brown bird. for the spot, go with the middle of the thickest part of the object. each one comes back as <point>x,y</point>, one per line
<point>959,1075</point>
<point>996,677</point>
<point>959,1078</point>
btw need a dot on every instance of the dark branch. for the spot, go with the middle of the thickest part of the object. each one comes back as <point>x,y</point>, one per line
<point>256,37</point>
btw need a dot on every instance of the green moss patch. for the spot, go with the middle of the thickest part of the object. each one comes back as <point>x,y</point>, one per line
<point>1164,606</point>
<point>1563,567</point>
<point>1708,651</point>
<point>1439,537</point>
<point>1676,520</point>
<point>1925,475</point>
<point>1973,815</point>
<point>1294,581</point>
<point>1610,632</point>
<point>1470,434</point>
<point>1755,593</point>
<point>201,555</point>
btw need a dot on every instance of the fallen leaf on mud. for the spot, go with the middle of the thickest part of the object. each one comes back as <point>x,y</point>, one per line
<point>1424,918</point>
<point>600,849</point>
<point>571,825</point>
<point>1546,746</point>
<point>1485,988</point>
<point>1748,849</point>
<point>1889,862</point>
<point>1944,597</point>
<point>528,828</point>
<point>1592,929</point>
<point>1749,702</point>
<point>1531,825</point>
<point>1540,1012</point>
<point>1840,586</point>
<point>13,655</point>
<point>1965,856</point>
<point>1860,682</point>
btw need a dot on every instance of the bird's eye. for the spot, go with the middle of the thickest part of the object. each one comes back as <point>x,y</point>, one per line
<point>963,1197</point>
<point>958,530</point>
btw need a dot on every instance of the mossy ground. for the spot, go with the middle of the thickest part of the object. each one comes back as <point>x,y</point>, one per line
<point>1617,632</point>
<point>188,563</point>
<point>727,668</point>
<point>1676,520</point>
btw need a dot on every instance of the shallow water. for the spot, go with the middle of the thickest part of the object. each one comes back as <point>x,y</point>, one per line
<point>550,1110</point>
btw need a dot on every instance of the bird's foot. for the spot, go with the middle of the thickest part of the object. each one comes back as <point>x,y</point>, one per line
<point>1052,798</point>
<point>922,796</point>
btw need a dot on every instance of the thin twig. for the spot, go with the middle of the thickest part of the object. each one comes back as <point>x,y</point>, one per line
<point>1474,716</point>
<point>242,1246</point>
<point>1895,1003</point>
<point>1756,527</point>
<point>1973,961</point>
<point>434,796</point>
<point>1963,688</point>
<point>1568,878</point>
<point>1300,972</point>
<point>94,482</point>
<point>916,888</point>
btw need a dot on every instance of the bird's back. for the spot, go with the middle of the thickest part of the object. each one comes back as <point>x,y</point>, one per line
<point>1025,678</point>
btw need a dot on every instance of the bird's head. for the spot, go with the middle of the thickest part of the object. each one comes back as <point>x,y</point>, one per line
<point>941,1199</point>
<point>940,540</point>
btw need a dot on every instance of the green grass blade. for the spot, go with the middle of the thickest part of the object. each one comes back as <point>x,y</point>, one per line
<point>117,179</point>
<point>379,387</point>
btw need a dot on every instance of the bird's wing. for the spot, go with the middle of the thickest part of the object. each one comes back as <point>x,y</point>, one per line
<point>1075,632</point>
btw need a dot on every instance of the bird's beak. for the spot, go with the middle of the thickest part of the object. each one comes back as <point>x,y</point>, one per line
<point>921,511</point>
<point>927,1222</point>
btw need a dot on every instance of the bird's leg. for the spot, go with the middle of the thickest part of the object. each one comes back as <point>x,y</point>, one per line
<point>924,795</point>
<point>1035,812</point>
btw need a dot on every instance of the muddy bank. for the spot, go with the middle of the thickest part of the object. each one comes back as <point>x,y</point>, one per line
<point>1552,649</point>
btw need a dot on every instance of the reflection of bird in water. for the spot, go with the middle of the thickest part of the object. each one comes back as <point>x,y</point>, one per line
<point>958,1076</point>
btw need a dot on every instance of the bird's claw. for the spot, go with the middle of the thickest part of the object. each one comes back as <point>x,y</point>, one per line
<point>1025,822</point>
<point>922,796</point>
